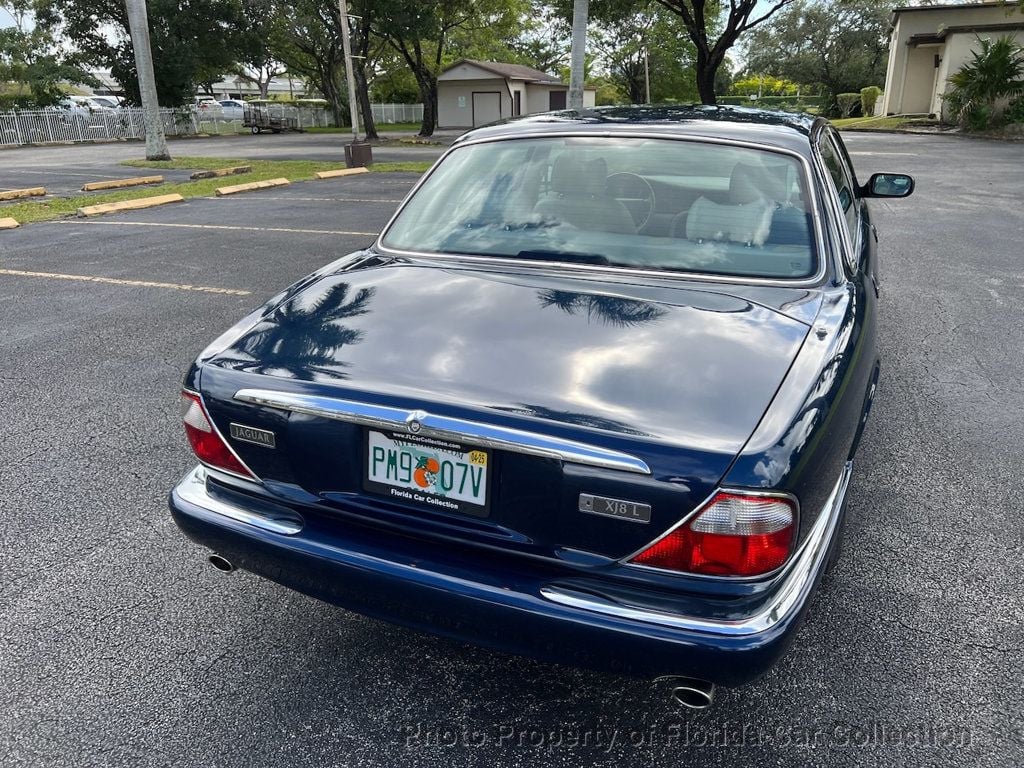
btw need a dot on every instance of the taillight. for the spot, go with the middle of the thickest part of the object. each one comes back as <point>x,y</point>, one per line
<point>206,442</point>
<point>736,534</point>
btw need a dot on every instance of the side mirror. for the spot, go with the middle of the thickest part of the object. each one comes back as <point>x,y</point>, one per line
<point>888,185</point>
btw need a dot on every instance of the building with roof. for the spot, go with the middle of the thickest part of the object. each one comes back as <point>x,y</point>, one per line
<point>930,43</point>
<point>471,93</point>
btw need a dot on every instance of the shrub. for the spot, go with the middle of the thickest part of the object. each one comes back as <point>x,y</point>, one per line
<point>995,71</point>
<point>1015,111</point>
<point>848,103</point>
<point>868,99</point>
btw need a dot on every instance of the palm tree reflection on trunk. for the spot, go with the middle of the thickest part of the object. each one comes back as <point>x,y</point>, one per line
<point>612,310</point>
<point>301,340</point>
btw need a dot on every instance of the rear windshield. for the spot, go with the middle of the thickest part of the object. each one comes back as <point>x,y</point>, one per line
<point>684,206</point>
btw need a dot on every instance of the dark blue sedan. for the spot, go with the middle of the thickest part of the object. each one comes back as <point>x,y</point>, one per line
<point>593,395</point>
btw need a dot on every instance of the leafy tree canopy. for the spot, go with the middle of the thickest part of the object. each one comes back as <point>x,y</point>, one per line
<point>193,41</point>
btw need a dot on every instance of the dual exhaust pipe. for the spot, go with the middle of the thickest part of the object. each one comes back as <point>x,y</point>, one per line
<point>686,691</point>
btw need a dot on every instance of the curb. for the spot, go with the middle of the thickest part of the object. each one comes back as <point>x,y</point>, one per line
<point>118,183</point>
<point>252,185</point>
<point>341,172</point>
<point>129,205</point>
<point>9,224</point>
<point>221,172</point>
<point>17,194</point>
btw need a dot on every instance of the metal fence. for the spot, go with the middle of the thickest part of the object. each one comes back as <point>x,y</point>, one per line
<point>57,125</point>
<point>397,113</point>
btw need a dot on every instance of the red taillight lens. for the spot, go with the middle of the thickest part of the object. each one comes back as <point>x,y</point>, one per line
<point>206,443</point>
<point>734,535</point>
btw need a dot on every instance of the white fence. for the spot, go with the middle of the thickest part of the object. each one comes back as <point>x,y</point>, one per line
<point>56,125</point>
<point>397,113</point>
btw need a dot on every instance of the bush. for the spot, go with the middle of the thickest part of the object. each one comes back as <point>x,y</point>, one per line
<point>1015,111</point>
<point>995,71</point>
<point>848,104</point>
<point>868,99</point>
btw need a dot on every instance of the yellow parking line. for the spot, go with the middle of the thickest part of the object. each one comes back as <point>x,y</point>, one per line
<point>118,281</point>
<point>311,199</point>
<point>217,226</point>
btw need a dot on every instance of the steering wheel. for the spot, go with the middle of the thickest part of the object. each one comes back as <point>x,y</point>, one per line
<point>634,192</point>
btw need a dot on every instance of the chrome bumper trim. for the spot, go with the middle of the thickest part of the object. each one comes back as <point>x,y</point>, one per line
<point>192,489</point>
<point>796,583</point>
<point>445,428</point>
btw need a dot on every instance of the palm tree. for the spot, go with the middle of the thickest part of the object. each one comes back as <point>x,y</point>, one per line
<point>612,310</point>
<point>995,71</point>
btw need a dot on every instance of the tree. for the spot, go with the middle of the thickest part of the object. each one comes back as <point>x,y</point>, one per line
<point>652,33</point>
<point>194,41</point>
<point>421,32</point>
<point>31,59</point>
<point>256,63</point>
<point>995,71</point>
<point>840,47</point>
<point>307,38</point>
<point>700,17</point>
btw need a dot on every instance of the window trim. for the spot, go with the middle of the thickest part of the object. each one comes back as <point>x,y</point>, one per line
<point>849,247</point>
<point>821,243</point>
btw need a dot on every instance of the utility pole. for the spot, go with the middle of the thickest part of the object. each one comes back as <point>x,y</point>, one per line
<point>346,47</point>
<point>138,23</point>
<point>580,11</point>
<point>647,77</point>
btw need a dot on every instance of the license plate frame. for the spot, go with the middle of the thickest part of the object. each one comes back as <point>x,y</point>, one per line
<point>409,492</point>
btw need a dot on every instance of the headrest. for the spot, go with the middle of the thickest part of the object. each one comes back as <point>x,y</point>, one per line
<point>573,176</point>
<point>755,182</point>
<point>748,223</point>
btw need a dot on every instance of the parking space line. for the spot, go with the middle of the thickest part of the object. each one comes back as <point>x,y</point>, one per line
<point>317,199</point>
<point>231,227</point>
<point>120,281</point>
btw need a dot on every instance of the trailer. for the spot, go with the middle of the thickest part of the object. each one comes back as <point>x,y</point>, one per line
<point>264,116</point>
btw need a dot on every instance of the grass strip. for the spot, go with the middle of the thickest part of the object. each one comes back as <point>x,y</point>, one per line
<point>262,170</point>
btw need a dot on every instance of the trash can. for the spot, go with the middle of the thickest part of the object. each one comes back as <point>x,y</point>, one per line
<point>358,154</point>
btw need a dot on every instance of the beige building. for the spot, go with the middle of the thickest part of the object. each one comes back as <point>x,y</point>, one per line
<point>929,43</point>
<point>471,93</point>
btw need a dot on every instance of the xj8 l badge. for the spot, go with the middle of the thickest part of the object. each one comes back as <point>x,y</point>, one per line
<point>624,510</point>
<point>253,435</point>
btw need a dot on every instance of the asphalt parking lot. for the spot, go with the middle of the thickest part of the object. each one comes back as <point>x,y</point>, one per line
<point>120,646</point>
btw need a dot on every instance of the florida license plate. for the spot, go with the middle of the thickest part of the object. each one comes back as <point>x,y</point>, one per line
<point>444,476</point>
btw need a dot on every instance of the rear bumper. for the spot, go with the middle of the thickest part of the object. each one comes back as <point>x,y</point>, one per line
<point>498,607</point>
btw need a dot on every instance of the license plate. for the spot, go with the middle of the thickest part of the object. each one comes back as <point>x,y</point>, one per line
<point>437,474</point>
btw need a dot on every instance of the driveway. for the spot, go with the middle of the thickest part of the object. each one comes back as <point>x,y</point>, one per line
<point>120,646</point>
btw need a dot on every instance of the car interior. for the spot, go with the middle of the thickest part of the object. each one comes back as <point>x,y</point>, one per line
<point>649,203</point>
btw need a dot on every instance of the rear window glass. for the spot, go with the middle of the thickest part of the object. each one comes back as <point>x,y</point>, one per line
<point>684,206</point>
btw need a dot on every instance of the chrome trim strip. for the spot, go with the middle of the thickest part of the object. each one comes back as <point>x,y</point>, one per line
<point>792,592</point>
<point>445,428</point>
<point>821,243</point>
<point>192,489</point>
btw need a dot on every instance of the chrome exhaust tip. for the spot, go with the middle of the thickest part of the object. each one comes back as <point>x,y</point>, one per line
<point>690,692</point>
<point>221,563</point>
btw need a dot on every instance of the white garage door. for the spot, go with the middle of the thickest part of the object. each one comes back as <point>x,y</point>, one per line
<point>486,107</point>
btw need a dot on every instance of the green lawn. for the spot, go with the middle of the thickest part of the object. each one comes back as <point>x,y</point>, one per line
<point>874,123</point>
<point>293,170</point>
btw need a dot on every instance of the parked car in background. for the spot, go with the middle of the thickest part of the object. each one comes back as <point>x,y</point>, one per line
<point>110,102</point>
<point>594,395</point>
<point>207,104</point>
<point>233,109</point>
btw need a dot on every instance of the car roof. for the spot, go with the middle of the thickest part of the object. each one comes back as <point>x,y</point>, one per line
<point>786,130</point>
